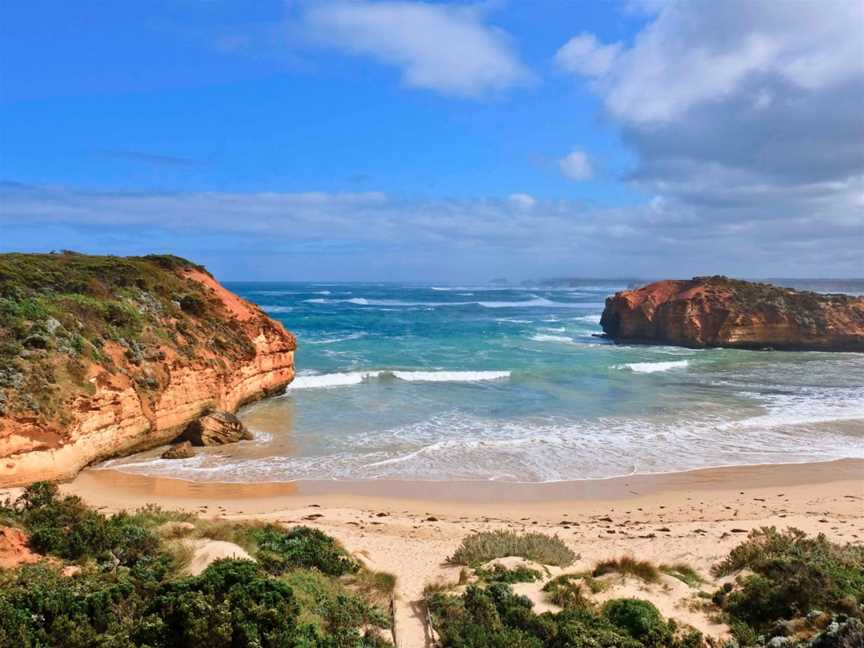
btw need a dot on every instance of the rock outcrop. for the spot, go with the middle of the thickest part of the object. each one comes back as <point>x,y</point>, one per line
<point>722,312</point>
<point>216,427</point>
<point>103,356</point>
<point>182,450</point>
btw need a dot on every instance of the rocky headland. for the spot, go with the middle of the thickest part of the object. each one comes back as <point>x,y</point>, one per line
<point>103,356</point>
<point>722,312</point>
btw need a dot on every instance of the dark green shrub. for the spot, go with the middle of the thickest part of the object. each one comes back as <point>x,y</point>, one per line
<point>279,550</point>
<point>793,575</point>
<point>640,619</point>
<point>495,617</point>
<point>67,528</point>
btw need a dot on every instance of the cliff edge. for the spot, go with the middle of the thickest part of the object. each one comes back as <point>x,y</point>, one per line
<point>722,312</point>
<point>102,356</point>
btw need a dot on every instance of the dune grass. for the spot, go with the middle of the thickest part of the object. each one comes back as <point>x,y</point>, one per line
<point>628,566</point>
<point>683,572</point>
<point>480,548</point>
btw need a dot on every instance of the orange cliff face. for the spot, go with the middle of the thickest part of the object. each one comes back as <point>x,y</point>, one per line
<point>197,346</point>
<point>723,312</point>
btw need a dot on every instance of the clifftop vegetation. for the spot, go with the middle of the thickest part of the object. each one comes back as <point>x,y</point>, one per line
<point>61,313</point>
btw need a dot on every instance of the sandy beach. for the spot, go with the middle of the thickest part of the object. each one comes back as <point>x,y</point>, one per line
<point>409,528</point>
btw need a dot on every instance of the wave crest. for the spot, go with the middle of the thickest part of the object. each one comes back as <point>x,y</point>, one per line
<point>349,378</point>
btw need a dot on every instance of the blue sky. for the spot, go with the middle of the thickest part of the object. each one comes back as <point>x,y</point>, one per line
<point>438,140</point>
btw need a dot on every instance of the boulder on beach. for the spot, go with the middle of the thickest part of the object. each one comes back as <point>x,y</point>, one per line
<point>182,450</point>
<point>216,427</point>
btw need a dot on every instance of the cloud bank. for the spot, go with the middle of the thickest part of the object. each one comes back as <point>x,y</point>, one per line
<point>742,114</point>
<point>448,49</point>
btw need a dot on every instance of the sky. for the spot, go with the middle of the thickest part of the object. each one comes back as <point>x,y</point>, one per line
<point>373,140</point>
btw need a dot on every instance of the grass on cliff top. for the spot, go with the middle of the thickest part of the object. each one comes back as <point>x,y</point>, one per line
<point>58,312</point>
<point>127,588</point>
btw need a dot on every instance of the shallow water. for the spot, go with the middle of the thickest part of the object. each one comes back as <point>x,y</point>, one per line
<point>488,382</point>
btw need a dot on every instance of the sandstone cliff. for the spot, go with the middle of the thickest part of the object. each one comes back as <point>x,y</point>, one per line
<point>723,312</point>
<point>100,356</point>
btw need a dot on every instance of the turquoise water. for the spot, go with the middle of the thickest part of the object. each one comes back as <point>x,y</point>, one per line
<point>511,383</point>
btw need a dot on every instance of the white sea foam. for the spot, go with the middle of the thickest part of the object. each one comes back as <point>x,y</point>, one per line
<point>276,309</point>
<point>349,378</point>
<point>450,376</point>
<point>593,319</point>
<point>542,337</point>
<point>335,340</point>
<point>342,379</point>
<point>535,302</point>
<point>654,367</point>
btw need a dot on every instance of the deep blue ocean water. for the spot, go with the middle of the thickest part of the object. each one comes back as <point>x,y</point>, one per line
<point>488,382</point>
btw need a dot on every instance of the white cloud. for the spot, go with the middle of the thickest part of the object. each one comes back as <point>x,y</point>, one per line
<point>522,200</point>
<point>586,56</point>
<point>576,166</point>
<point>740,114</point>
<point>806,233</point>
<point>443,48</point>
<point>696,52</point>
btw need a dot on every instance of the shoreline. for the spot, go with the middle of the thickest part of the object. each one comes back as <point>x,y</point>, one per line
<point>95,483</point>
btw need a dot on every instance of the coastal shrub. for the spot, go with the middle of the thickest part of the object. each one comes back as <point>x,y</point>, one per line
<point>279,549</point>
<point>480,548</point>
<point>126,590</point>
<point>640,619</point>
<point>628,566</point>
<point>566,591</point>
<point>67,528</point>
<point>494,616</point>
<point>499,573</point>
<point>792,575</point>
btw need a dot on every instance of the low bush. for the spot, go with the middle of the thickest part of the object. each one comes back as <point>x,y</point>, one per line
<point>628,566</point>
<point>126,590</point>
<point>792,575</point>
<point>495,617</point>
<point>499,573</point>
<point>480,548</point>
<point>640,619</point>
<point>279,549</point>
<point>566,591</point>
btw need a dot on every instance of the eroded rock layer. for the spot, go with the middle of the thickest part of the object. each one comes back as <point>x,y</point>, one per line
<point>722,312</point>
<point>102,356</point>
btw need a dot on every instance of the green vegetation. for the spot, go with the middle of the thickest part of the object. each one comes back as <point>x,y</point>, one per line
<point>792,576</point>
<point>566,591</point>
<point>127,588</point>
<point>279,550</point>
<point>500,574</point>
<point>495,617</point>
<point>628,566</point>
<point>683,572</point>
<point>480,548</point>
<point>60,313</point>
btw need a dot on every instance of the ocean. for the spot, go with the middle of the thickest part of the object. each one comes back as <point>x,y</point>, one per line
<point>492,382</point>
